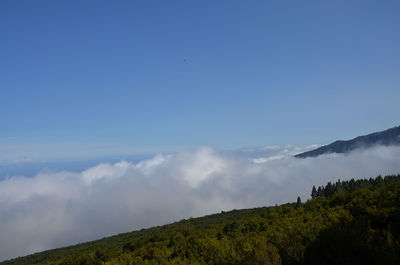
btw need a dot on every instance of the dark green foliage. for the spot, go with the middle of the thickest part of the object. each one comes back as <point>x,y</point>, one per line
<point>298,203</point>
<point>347,222</point>
<point>313,192</point>
<point>351,185</point>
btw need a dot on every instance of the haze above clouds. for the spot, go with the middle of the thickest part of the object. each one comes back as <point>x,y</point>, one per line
<point>54,209</point>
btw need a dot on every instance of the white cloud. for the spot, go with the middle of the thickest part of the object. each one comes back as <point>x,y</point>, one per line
<point>105,171</point>
<point>266,159</point>
<point>197,167</point>
<point>55,209</point>
<point>148,166</point>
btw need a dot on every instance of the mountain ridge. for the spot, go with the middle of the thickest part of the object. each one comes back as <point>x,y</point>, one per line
<point>387,137</point>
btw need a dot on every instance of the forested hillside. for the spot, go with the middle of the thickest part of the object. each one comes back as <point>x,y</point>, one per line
<point>347,222</point>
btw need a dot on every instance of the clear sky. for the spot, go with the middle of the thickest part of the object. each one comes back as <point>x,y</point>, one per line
<point>82,78</point>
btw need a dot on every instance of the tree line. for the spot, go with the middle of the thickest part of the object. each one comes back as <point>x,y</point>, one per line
<point>351,185</point>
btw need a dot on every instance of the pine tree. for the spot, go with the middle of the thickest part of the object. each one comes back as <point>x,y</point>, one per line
<point>298,203</point>
<point>313,192</point>
<point>328,191</point>
<point>320,192</point>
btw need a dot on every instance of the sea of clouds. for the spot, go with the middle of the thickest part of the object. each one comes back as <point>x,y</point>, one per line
<point>54,209</point>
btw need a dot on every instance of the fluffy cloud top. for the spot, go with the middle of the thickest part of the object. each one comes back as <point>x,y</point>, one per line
<point>55,209</point>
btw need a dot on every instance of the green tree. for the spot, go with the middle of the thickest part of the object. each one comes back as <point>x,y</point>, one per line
<point>298,203</point>
<point>314,192</point>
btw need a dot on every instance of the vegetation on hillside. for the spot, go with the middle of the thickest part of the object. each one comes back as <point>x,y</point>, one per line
<point>348,222</point>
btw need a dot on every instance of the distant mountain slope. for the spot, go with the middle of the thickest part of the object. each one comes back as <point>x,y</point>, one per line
<point>387,137</point>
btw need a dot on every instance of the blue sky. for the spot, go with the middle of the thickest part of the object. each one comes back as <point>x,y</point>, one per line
<point>83,78</point>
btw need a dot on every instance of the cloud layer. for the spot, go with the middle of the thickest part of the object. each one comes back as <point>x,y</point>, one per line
<point>55,209</point>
